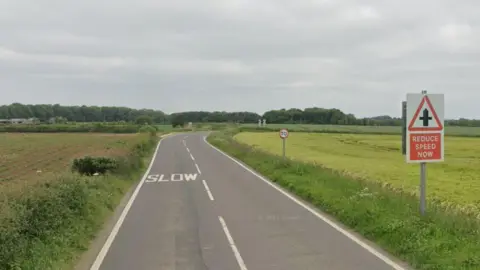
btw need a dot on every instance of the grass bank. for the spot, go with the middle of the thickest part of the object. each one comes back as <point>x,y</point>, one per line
<point>440,240</point>
<point>50,223</point>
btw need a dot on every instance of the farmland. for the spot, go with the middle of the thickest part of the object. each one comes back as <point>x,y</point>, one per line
<point>32,156</point>
<point>48,215</point>
<point>378,158</point>
<point>449,130</point>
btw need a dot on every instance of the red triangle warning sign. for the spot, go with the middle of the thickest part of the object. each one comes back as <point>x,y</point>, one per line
<point>425,118</point>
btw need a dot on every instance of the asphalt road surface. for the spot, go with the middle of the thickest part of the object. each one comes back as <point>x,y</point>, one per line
<point>197,208</point>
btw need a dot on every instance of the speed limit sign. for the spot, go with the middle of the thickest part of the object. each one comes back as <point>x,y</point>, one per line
<point>283,133</point>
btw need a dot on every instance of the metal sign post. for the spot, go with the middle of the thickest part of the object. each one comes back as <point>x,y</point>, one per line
<point>423,187</point>
<point>404,127</point>
<point>284,136</point>
<point>425,135</point>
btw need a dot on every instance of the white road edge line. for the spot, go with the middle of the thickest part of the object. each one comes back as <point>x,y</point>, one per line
<point>352,237</point>
<point>106,246</point>
<point>208,190</point>
<point>191,156</point>
<point>232,244</point>
<point>198,169</point>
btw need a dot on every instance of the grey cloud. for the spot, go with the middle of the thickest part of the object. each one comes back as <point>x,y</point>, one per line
<point>359,56</point>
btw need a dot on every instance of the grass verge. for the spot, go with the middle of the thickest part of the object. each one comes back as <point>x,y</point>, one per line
<point>438,241</point>
<point>50,225</point>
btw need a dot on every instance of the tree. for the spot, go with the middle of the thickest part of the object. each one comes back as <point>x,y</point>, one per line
<point>60,120</point>
<point>44,112</point>
<point>144,120</point>
<point>177,120</point>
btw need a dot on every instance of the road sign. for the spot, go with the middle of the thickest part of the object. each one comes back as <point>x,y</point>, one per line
<point>284,136</point>
<point>425,132</point>
<point>425,117</point>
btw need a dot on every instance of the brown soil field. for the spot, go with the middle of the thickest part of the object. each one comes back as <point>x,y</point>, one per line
<point>33,157</point>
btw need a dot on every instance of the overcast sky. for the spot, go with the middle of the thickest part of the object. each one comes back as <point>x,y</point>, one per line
<point>256,55</point>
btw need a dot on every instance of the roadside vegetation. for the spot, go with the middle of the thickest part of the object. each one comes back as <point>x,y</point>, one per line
<point>377,158</point>
<point>443,239</point>
<point>50,209</point>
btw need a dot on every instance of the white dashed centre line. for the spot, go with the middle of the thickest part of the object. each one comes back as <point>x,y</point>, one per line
<point>198,169</point>
<point>208,190</point>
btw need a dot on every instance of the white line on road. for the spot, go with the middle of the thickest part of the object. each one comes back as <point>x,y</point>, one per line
<point>106,246</point>
<point>208,190</point>
<point>352,237</point>
<point>198,169</point>
<point>184,143</point>
<point>232,245</point>
<point>188,150</point>
<point>191,156</point>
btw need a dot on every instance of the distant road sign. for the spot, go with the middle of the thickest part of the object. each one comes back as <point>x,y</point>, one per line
<point>425,132</point>
<point>283,133</point>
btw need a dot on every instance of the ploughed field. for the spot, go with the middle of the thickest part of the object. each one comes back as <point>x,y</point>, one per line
<point>32,157</point>
<point>454,183</point>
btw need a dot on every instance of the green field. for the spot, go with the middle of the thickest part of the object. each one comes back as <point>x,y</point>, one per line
<point>378,158</point>
<point>449,130</point>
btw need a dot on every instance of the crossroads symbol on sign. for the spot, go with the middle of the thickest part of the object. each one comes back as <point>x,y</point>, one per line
<point>425,118</point>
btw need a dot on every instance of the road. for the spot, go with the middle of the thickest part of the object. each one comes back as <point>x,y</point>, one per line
<point>197,208</point>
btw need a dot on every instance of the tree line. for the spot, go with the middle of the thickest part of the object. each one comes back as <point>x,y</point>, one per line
<point>44,112</point>
<point>314,115</point>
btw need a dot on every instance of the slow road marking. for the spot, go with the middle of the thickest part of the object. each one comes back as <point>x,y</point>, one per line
<point>174,177</point>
